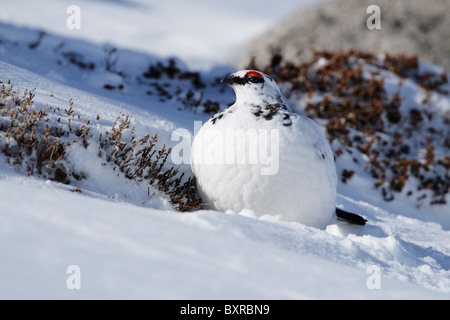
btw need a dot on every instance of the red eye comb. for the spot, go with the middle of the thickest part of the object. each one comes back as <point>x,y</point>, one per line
<point>254,74</point>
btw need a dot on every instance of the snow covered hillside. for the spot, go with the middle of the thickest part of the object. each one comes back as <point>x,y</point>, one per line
<point>86,230</point>
<point>203,35</point>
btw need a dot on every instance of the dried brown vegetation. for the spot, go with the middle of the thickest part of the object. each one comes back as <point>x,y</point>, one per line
<point>138,159</point>
<point>158,77</point>
<point>29,139</point>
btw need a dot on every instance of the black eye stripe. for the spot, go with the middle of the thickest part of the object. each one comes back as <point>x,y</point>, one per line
<point>254,79</point>
<point>232,79</point>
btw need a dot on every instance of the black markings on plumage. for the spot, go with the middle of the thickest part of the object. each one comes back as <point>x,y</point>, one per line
<point>287,120</point>
<point>270,110</point>
<point>217,116</point>
<point>320,154</point>
<point>257,111</point>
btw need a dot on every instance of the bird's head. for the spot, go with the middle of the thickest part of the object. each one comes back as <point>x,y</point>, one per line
<point>253,86</point>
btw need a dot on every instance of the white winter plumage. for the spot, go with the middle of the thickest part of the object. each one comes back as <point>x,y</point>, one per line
<point>261,156</point>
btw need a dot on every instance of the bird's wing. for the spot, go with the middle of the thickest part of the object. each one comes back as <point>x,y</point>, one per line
<point>318,140</point>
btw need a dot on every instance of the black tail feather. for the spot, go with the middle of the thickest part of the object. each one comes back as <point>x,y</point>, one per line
<point>350,217</point>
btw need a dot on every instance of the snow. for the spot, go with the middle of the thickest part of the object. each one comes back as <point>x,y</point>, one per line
<point>126,251</point>
<point>129,245</point>
<point>201,32</point>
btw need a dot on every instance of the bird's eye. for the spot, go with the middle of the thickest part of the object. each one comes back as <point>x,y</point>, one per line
<point>255,79</point>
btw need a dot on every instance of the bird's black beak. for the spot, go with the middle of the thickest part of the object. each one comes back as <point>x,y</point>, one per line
<point>230,79</point>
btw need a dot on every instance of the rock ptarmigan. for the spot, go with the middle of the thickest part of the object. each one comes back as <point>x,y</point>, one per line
<point>259,155</point>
